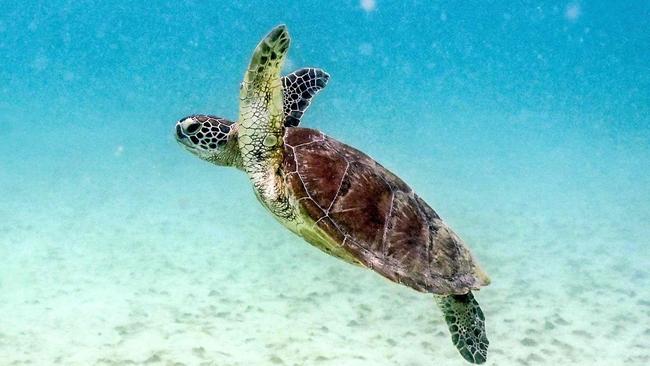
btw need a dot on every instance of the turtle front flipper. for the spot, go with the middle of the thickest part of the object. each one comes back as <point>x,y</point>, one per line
<point>467,325</point>
<point>299,88</point>
<point>261,115</point>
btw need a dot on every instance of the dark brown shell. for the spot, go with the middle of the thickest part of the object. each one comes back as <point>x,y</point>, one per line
<point>375,216</point>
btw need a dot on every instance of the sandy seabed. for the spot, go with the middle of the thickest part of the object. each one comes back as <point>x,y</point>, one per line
<point>148,275</point>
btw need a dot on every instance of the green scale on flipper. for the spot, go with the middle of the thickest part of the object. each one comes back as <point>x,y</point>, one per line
<point>467,325</point>
<point>261,120</point>
<point>261,114</point>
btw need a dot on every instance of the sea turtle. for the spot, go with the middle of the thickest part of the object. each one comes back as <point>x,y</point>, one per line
<point>336,197</point>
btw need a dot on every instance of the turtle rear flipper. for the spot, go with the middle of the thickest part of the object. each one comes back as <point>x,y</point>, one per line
<point>467,326</point>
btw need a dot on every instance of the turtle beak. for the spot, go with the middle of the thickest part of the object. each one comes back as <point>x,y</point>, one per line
<point>179,132</point>
<point>181,137</point>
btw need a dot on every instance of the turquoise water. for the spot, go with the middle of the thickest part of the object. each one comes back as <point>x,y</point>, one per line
<point>524,125</point>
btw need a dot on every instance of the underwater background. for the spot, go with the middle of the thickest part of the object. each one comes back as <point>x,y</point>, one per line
<point>524,124</point>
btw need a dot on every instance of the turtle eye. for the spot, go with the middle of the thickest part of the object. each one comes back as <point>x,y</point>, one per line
<point>192,128</point>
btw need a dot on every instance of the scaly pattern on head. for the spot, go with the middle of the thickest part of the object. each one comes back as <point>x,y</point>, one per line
<point>204,132</point>
<point>210,138</point>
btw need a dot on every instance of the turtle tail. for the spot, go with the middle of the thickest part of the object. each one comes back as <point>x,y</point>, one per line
<point>467,326</point>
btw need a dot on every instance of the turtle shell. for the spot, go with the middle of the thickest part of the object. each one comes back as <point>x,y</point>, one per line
<point>374,217</point>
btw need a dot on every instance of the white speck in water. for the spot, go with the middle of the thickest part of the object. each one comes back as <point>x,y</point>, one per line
<point>365,49</point>
<point>40,63</point>
<point>288,65</point>
<point>368,5</point>
<point>572,12</point>
<point>119,150</point>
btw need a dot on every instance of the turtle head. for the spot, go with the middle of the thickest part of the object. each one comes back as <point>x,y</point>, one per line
<point>211,138</point>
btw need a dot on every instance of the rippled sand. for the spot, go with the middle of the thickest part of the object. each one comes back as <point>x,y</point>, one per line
<point>128,274</point>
